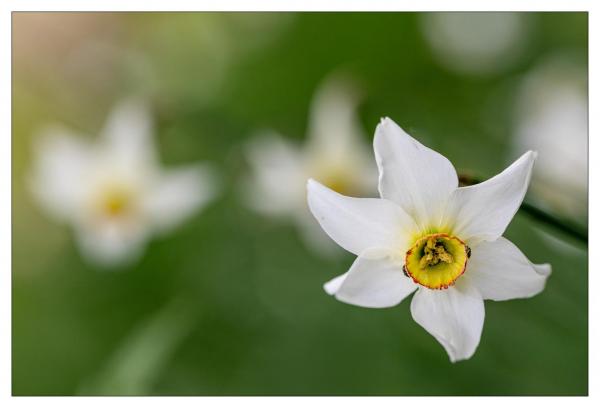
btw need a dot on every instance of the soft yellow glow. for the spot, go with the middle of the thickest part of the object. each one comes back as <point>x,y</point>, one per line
<point>338,179</point>
<point>436,260</point>
<point>114,200</point>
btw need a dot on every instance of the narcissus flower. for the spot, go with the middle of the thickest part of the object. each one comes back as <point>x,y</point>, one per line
<point>334,154</point>
<point>427,234</point>
<point>551,113</point>
<point>113,192</point>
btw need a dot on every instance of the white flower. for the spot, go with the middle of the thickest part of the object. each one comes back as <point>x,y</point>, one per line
<point>334,154</point>
<point>477,43</point>
<point>114,192</point>
<point>552,118</point>
<point>429,235</point>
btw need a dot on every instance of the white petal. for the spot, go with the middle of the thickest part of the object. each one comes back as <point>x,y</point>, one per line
<point>177,194</point>
<point>453,316</point>
<point>276,182</point>
<point>128,134</point>
<point>500,271</point>
<point>357,224</point>
<point>417,178</point>
<point>332,286</point>
<point>334,129</point>
<point>542,269</point>
<point>313,235</point>
<point>336,139</point>
<point>111,243</point>
<point>62,161</point>
<point>372,282</point>
<point>483,211</point>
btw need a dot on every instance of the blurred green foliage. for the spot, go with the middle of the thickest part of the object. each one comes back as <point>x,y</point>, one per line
<point>250,314</point>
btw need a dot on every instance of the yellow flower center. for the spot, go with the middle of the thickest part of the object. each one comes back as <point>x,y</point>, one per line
<point>436,261</point>
<point>114,200</point>
<point>116,204</point>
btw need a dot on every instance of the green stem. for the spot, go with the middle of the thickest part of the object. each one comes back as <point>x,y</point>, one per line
<point>539,215</point>
<point>559,224</point>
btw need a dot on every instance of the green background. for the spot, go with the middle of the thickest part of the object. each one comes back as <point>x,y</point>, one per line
<point>232,302</point>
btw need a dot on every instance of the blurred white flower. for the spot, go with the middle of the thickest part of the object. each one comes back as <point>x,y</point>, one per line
<point>334,153</point>
<point>113,192</point>
<point>552,117</point>
<point>428,235</point>
<point>475,42</point>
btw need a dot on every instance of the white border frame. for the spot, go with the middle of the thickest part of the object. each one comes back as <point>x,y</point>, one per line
<point>7,6</point>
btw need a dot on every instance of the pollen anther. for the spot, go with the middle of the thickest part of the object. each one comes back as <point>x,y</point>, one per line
<point>435,252</point>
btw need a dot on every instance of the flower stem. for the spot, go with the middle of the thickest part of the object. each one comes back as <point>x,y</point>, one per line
<point>538,214</point>
<point>550,219</point>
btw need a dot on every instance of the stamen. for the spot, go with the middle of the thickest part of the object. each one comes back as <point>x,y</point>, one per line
<point>434,252</point>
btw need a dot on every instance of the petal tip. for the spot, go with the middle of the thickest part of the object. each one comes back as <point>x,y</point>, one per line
<point>333,286</point>
<point>456,355</point>
<point>327,287</point>
<point>312,184</point>
<point>530,155</point>
<point>386,121</point>
<point>544,270</point>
